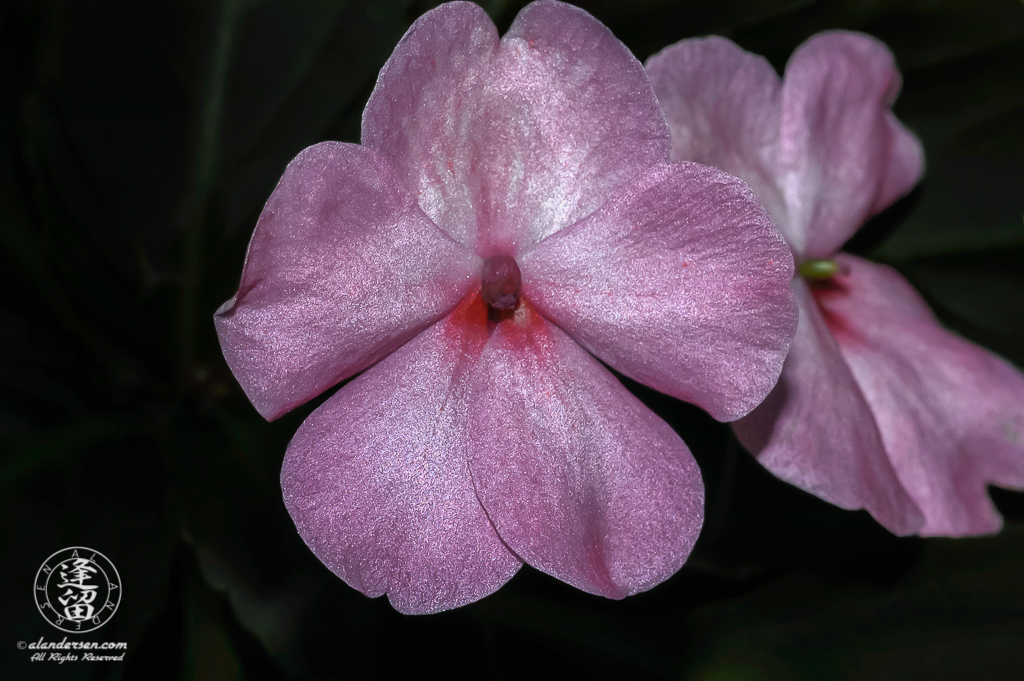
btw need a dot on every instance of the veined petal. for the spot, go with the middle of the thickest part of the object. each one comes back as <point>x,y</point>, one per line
<point>343,268</point>
<point>842,156</point>
<point>951,414</point>
<point>424,114</point>
<point>723,106</point>
<point>816,431</point>
<point>377,480</point>
<point>580,479</point>
<point>503,143</point>
<point>680,281</point>
<point>571,116</point>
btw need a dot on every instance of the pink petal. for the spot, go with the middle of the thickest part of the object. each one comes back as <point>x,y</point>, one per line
<point>843,156</point>
<point>571,117</point>
<point>503,144</point>
<point>424,114</point>
<point>680,281</point>
<point>906,165</point>
<point>378,484</point>
<point>343,268</point>
<point>816,431</point>
<point>723,106</point>
<point>951,414</point>
<point>579,478</point>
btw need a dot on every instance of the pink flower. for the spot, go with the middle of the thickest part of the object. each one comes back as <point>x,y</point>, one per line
<point>511,208</point>
<point>878,407</point>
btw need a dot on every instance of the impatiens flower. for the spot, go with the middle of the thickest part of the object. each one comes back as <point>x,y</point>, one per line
<point>878,407</point>
<point>510,218</point>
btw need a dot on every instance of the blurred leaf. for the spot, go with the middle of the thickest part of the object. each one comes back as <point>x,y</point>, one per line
<point>948,620</point>
<point>970,116</point>
<point>61,443</point>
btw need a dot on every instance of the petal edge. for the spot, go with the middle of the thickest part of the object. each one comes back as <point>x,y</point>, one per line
<point>342,269</point>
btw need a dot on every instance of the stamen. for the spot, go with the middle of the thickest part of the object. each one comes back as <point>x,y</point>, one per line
<point>501,282</point>
<point>818,269</point>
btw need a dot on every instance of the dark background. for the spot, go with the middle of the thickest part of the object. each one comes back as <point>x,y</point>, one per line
<point>139,142</point>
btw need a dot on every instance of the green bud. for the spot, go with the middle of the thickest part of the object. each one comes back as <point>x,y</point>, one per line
<point>818,269</point>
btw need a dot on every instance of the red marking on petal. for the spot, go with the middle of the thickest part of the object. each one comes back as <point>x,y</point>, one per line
<point>837,324</point>
<point>828,288</point>
<point>825,291</point>
<point>526,330</point>
<point>467,325</point>
<point>471,323</point>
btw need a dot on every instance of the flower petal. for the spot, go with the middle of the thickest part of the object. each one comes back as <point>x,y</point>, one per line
<point>723,106</point>
<point>570,117</point>
<point>951,414</point>
<point>505,143</point>
<point>343,268</point>
<point>906,165</point>
<point>579,478</point>
<point>378,483</point>
<point>424,112</point>
<point>843,156</point>
<point>680,281</point>
<point>816,431</point>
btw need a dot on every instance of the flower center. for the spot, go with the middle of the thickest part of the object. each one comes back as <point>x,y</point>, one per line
<point>817,270</point>
<point>501,282</point>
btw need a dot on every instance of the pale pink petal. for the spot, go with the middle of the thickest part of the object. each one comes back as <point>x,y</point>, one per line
<point>570,116</point>
<point>343,268</point>
<point>503,144</point>
<point>424,115</point>
<point>951,414</point>
<point>816,431</point>
<point>842,155</point>
<point>680,281</point>
<point>723,106</point>
<point>377,481</point>
<point>580,479</point>
<point>906,165</point>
